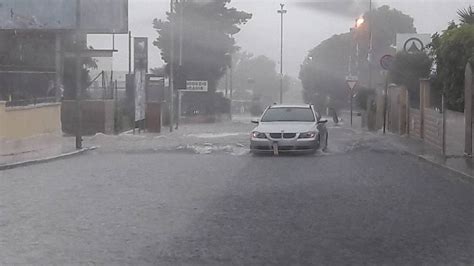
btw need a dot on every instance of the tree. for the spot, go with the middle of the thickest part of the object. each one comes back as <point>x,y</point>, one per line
<point>208,43</point>
<point>452,49</point>
<point>256,77</point>
<point>324,70</point>
<point>408,69</point>
<point>466,15</point>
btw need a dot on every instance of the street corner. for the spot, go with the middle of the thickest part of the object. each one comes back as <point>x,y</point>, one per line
<point>26,159</point>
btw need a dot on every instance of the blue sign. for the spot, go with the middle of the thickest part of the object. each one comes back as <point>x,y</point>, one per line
<point>97,16</point>
<point>34,14</point>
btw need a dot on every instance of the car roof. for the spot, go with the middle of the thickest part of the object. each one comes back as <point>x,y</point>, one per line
<point>291,106</point>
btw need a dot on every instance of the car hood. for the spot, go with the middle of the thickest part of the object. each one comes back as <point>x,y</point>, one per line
<point>289,127</point>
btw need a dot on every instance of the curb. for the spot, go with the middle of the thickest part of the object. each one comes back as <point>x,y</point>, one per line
<point>46,159</point>
<point>434,162</point>
<point>426,159</point>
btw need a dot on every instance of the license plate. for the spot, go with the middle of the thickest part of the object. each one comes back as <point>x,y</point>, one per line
<point>275,148</point>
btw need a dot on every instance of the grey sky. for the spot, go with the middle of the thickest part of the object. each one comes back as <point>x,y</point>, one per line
<point>304,27</point>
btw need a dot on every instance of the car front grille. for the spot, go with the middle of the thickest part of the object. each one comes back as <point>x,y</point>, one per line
<point>283,135</point>
<point>275,135</point>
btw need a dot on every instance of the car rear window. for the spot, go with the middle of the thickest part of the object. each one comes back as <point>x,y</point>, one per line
<point>296,114</point>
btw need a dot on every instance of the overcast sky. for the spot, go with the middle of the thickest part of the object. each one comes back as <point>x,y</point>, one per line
<point>306,25</point>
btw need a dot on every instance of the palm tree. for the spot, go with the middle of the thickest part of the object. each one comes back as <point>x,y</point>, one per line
<point>466,15</point>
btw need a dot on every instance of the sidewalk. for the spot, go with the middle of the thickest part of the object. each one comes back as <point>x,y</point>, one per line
<point>455,160</point>
<point>458,163</point>
<point>35,150</point>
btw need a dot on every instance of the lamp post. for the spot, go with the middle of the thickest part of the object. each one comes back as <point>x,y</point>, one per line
<point>354,60</point>
<point>359,23</point>
<point>370,55</point>
<point>78,38</point>
<point>171,88</point>
<point>281,12</point>
<point>180,59</point>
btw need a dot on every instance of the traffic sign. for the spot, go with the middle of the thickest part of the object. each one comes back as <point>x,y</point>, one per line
<point>412,42</point>
<point>386,62</point>
<point>197,86</point>
<point>352,82</point>
<point>413,45</point>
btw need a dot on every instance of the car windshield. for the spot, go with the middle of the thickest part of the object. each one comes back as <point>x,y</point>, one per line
<point>290,114</point>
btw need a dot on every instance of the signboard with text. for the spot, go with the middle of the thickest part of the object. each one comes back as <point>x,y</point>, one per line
<point>140,54</point>
<point>140,95</point>
<point>197,86</point>
<point>141,66</point>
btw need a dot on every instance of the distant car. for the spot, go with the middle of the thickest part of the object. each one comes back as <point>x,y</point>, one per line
<point>289,128</point>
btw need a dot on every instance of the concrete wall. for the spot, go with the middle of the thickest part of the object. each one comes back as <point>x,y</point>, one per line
<point>97,116</point>
<point>29,121</point>
<point>430,130</point>
<point>29,128</point>
<point>380,101</point>
<point>415,123</point>
<point>455,133</point>
<point>397,110</point>
<point>433,128</point>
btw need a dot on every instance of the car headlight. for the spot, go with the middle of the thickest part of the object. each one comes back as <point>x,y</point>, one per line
<point>308,135</point>
<point>258,135</point>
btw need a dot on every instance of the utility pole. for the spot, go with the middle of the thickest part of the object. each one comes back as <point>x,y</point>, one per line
<point>112,69</point>
<point>129,52</point>
<point>181,20</point>
<point>370,55</point>
<point>281,12</point>
<point>385,102</point>
<point>78,96</point>
<point>226,82</point>
<point>231,77</point>
<point>171,89</point>
<point>231,83</point>
<point>444,110</point>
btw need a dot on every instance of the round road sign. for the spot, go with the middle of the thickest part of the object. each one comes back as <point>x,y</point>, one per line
<point>413,45</point>
<point>386,61</point>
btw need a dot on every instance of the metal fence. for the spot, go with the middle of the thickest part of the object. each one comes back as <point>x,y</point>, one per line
<point>32,101</point>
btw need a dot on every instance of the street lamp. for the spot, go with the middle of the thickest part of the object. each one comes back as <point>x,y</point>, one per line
<point>171,64</point>
<point>369,55</point>
<point>359,22</point>
<point>351,79</point>
<point>281,12</point>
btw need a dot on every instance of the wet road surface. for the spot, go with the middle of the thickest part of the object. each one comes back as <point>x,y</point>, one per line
<point>199,198</point>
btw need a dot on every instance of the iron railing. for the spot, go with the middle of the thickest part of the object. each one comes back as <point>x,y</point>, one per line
<point>31,101</point>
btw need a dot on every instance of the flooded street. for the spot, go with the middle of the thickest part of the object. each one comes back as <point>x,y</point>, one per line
<point>203,199</point>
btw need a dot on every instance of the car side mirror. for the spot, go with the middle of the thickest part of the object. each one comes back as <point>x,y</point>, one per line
<point>255,121</point>
<point>322,121</point>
